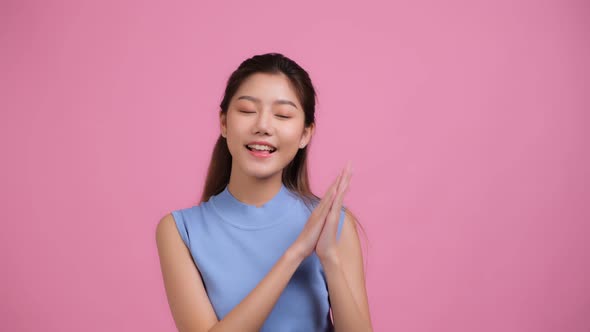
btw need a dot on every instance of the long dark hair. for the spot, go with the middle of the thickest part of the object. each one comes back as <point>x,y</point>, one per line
<point>295,174</point>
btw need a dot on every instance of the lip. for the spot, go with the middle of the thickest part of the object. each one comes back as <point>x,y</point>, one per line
<point>263,143</point>
<point>260,154</point>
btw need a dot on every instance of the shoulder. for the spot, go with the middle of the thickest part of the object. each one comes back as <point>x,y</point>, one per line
<point>349,218</point>
<point>349,223</point>
<point>178,223</point>
<point>349,239</point>
<point>166,226</point>
<point>186,294</point>
<point>185,215</point>
<point>165,222</point>
<point>175,227</point>
<point>168,238</point>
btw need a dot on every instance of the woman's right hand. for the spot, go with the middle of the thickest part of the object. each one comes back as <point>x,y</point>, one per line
<point>305,243</point>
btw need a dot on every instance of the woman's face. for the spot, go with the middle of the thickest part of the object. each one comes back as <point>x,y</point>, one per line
<point>265,108</point>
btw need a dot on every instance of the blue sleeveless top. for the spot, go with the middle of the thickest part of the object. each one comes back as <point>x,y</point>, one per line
<point>234,246</point>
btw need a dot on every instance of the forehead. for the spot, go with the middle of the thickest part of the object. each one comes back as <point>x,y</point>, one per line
<point>268,88</point>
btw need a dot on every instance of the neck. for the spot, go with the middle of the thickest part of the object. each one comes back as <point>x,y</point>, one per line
<point>254,191</point>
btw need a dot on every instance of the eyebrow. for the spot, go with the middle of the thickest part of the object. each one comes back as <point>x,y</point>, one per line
<point>279,101</point>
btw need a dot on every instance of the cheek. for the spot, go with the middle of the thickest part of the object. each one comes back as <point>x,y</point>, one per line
<point>236,130</point>
<point>292,136</point>
<point>290,143</point>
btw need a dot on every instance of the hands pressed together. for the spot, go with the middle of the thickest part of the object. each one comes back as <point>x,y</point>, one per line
<point>320,231</point>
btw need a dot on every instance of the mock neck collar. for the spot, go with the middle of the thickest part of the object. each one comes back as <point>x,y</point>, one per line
<point>247,216</point>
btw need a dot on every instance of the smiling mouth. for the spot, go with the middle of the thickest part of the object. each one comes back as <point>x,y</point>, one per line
<point>269,151</point>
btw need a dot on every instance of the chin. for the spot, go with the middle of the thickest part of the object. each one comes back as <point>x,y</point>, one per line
<point>261,171</point>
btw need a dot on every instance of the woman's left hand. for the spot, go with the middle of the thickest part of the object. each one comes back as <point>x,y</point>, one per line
<point>326,245</point>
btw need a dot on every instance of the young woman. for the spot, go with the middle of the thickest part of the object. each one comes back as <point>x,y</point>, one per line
<point>261,252</point>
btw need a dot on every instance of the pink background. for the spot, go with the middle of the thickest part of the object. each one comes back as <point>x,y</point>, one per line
<point>466,121</point>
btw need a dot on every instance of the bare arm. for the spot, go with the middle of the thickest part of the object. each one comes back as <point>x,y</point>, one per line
<point>250,314</point>
<point>346,282</point>
<point>191,308</point>
<point>189,303</point>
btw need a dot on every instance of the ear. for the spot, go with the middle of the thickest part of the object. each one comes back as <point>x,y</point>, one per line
<point>306,136</point>
<point>223,123</point>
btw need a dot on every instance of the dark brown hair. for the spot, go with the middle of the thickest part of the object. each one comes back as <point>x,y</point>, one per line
<point>295,174</point>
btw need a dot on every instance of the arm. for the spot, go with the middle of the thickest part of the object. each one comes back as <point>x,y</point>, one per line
<point>250,314</point>
<point>188,300</point>
<point>346,282</point>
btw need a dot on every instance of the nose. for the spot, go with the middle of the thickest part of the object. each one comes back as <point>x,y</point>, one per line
<point>264,123</point>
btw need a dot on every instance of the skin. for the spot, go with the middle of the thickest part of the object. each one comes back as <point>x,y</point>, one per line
<point>255,181</point>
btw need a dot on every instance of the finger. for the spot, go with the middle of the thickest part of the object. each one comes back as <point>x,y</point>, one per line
<point>332,190</point>
<point>326,202</point>
<point>333,213</point>
<point>344,175</point>
<point>342,183</point>
<point>342,188</point>
<point>346,180</point>
<point>327,197</point>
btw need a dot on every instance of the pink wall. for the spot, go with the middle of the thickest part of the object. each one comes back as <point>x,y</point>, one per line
<point>467,124</point>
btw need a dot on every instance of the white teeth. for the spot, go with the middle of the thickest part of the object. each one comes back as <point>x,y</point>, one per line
<point>260,147</point>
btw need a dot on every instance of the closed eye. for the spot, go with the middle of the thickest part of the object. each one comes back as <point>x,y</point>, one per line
<point>280,116</point>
